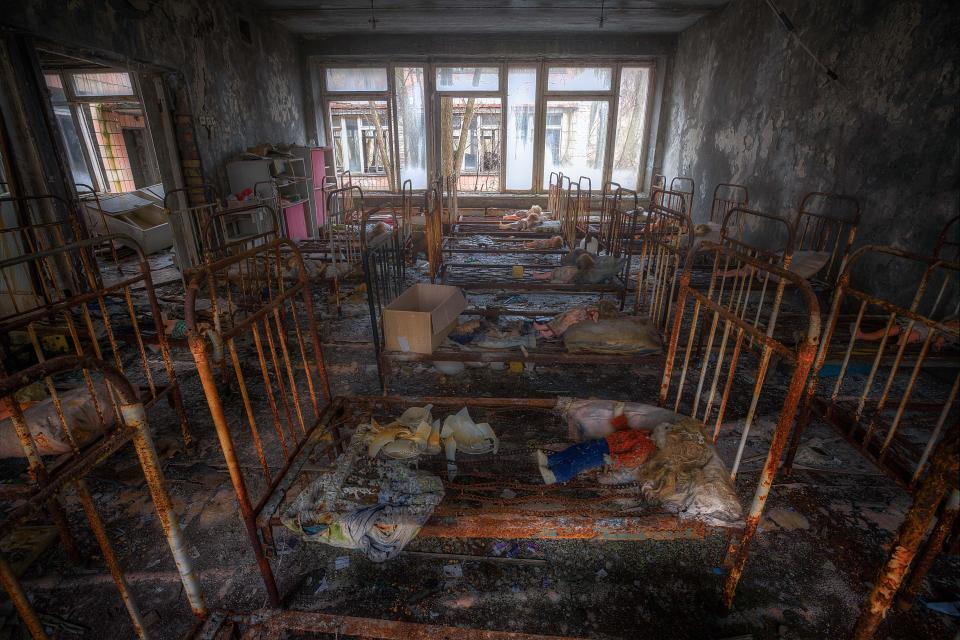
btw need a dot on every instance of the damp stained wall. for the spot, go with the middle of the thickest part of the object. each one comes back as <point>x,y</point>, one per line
<point>746,104</point>
<point>239,93</point>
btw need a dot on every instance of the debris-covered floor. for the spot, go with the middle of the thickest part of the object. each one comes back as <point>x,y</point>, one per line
<point>810,568</point>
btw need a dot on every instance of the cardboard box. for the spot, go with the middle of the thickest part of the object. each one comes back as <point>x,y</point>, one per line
<point>421,317</point>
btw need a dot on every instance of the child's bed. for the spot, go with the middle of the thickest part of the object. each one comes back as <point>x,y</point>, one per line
<point>279,437</point>
<point>55,302</point>
<point>886,377</point>
<point>122,420</point>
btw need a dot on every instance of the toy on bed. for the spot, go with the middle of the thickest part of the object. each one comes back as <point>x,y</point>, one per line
<point>681,472</point>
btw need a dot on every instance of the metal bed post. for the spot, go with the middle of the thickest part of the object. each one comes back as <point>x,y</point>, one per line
<point>726,196</point>
<point>827,222</point>
<point>262,308</point>
<point>685,186</point>
<point>49,301</point>
<point>712,305</point>
<point>131,425</point>
<point>944,467</point>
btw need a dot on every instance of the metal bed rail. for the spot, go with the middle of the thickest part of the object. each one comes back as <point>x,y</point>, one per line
<point>188,223</point>
<point>911,435</point>
<point>673,200</point>
<point>726,196</point>
<point>741,224</point>
<point>433,231</point>
<point>827,222</point>
<point>907,341</point>
<point>686,187</point>
<point>269,355</point>
<point>570,214</point>
<point>84,316</point>
<point>609,200</point>
<point>405,219</point>
<point>553,192</point>
<point>383,273</point>
<point>345,215</point>
<point>702,365</point>
<point>223,237</point>
<point>664,254</point>
<point>948,243</point>
<point>53,483</point>
<point>19,286</point>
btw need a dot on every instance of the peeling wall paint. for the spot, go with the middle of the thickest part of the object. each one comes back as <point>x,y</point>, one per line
<point>747,105</point>
<point>240,93</point>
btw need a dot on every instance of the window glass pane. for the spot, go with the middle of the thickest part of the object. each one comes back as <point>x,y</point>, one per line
<point>411,126</point>
<point>579,79</point>
<point>470,129</point>
<point>361,142</point>
<point>102,84</point>
<point>521,108</point>
<point>575,138</point>
<point>72,143</point>
<point>360,79</point>
<point>468,79</point>
<point>631,126</point>
<point>55,85</point>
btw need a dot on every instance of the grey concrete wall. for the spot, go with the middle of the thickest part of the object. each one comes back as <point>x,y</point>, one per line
<point>492,46</point>
<point>239,94</point>
<point>747,105</point>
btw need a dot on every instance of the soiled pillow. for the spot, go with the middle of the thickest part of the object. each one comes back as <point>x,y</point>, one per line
<point>628,334</point>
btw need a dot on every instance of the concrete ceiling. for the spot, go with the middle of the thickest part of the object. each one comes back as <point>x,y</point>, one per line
<point>332,17</point>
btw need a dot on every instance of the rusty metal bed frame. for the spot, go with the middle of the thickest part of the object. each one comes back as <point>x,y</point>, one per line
<point>384,278</point>
<point>827,222</point>
<point>508,242</point>
<point>909,341</point>
<point>275,321</point>
<point>685,186</point>
<point>726,310</point>
<point>405,219</point>
<point>472,510</point>
<point>726,196</point>
<point>664,256</point>
<point>948,243</point>
<point>65,299</point>
<point>616,239</point>
<point>192,220</point>
<point>52,482</point>
<point>911,437</point>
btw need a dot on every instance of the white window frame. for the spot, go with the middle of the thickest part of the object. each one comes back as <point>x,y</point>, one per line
<point>432,107</point>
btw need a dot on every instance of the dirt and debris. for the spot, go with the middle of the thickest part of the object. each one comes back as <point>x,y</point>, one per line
<point>820,544</point>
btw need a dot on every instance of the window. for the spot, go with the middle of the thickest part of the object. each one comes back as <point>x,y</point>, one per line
<point>102,84</point>
<point>497,126</point>
<point>579,79</point>
<point>360,80</point>
<point>103,129</point>
<point>411,126</point>
<point>479,152</point>
<point>578,141</point>
<point>521,116</point>
<point>631,126</point>
<point>361,142</point>
<point>468,79</point>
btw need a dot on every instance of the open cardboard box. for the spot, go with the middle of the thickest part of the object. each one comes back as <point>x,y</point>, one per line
<point>421,317</point>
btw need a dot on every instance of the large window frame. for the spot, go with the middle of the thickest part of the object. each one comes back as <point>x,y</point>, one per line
<point>433,97</point>
<point>79,107</point>
<point>387,97</point>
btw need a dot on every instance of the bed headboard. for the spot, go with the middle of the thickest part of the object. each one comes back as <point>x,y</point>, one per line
<point>728,332</point>
<point>122,419</point>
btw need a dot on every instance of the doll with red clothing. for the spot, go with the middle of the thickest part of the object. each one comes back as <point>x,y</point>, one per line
<point>623,449</point>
